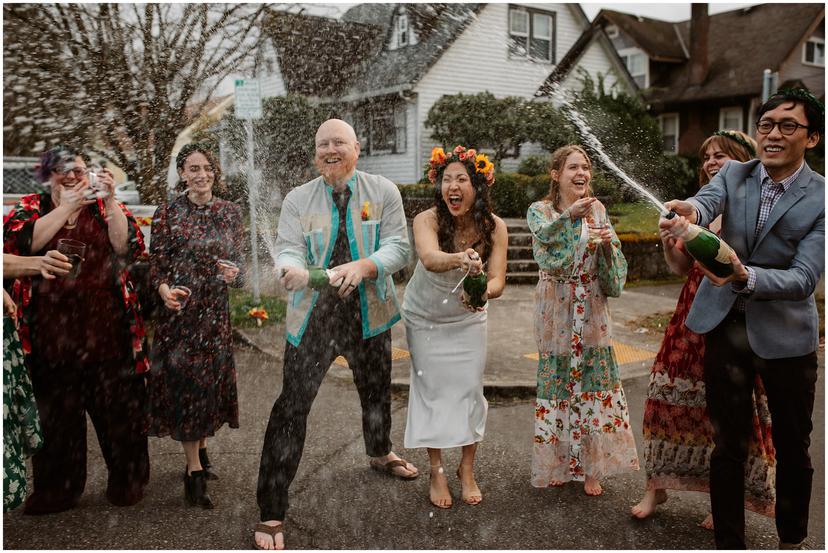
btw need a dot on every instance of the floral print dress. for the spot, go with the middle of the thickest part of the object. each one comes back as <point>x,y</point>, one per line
<point>678,436</point>
<point>581,419</point>
<point>22,436</point>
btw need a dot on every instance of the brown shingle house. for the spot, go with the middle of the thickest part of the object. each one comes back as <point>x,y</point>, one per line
<point>706,74</point>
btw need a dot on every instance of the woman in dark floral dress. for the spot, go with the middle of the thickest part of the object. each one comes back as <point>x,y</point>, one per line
<point>193,380</point>
<point>678,436</point>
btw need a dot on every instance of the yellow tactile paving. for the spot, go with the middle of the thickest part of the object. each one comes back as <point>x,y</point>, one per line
<point>624,353</point>
<point>396,353</point>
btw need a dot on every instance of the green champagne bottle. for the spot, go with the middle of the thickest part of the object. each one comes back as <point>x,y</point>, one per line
<point>475,288</point>
<point>319,279</point>
<point>707,248</point>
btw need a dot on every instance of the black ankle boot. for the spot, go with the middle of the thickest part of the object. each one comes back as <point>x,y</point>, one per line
<point>195,490</point>
<point>205,464</point>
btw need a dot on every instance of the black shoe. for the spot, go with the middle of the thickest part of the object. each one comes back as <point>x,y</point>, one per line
<point>195,490</point>
<point>205,464</point>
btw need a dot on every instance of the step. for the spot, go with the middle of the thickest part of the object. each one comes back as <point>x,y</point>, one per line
<point>521,266</point>
<point>519,252</point>
<point>522,278</point>
<point>520,239</point>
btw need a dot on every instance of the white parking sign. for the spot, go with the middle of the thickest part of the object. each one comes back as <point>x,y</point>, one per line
<point>248,99</point>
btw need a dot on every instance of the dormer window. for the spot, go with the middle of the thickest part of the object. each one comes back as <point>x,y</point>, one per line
<point>402,29</point>
<point>531,34</point>
<point>813,52</point>
<point>638,64</point>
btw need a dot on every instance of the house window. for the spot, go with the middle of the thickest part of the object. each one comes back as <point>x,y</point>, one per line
<point>637,64</point>
<point>532,34</point>
<point>814,52</point>
<point>669,131</point>
<point>381,128</point>
<point>402,29</point>
<point>730,119</point>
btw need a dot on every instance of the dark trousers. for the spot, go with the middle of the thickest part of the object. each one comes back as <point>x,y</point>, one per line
<point>730,367</point>
<point>305,367</point>
<point>115,399</point>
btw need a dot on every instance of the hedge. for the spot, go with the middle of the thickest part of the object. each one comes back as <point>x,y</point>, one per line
<point>512,193</point>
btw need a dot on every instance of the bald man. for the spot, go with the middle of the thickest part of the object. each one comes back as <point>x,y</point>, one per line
<point>352,223</point>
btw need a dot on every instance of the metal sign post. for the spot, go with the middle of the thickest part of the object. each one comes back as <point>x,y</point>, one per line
<point>248,104</point>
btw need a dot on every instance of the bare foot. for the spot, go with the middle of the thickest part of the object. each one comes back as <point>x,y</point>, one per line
<point>266,541</point>
<point>647,505</point>
<point>707,523</point>
<point>556,483</point>
<point>408,471</point>
<point>467,483</point>
<point>439,491</point>
<point>592,486</point>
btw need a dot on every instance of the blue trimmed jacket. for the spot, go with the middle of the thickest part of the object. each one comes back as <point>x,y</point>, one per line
<point>376,229</point>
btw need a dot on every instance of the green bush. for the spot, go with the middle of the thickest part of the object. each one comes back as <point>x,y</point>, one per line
<point>534,166</point>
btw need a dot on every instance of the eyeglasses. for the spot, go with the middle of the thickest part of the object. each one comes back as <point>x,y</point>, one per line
<point>78,172</point>
<point>765,126</point>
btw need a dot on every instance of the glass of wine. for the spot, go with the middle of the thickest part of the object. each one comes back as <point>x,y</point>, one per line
<point>75,251</point>
<point>596,223</point>
<point>186,297</point>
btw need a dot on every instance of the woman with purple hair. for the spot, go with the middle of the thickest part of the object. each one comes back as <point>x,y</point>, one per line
<point>82,334</point>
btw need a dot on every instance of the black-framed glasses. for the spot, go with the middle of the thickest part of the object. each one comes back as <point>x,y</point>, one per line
<point>78,171</point>
<point>765,126</point>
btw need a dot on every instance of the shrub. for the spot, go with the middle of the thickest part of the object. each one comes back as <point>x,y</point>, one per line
<point>534,166</point>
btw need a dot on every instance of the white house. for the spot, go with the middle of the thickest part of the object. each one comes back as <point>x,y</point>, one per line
<point>387,64</point>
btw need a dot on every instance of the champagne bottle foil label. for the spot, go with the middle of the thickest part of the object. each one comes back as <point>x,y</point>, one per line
<point>723,255</point>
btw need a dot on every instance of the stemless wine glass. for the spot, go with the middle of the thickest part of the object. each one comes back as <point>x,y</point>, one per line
<point>183,300</point>
<point>75,251</point>
<point>596,224</point>
<point>224,264</point>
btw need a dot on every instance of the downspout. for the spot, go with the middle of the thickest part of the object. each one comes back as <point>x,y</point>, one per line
<point>417,153</point>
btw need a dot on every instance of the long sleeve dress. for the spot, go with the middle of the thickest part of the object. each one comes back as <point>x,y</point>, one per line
<point>192,384</point>
<point>678,436</point>
<point>581,419</point>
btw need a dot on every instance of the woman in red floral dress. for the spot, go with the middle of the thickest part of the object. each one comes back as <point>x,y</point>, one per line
<point>83,336</point>
<point>193,380</point>
<point>678,436</point>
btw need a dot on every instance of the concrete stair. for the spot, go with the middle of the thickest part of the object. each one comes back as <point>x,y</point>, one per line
<point>520,265</point>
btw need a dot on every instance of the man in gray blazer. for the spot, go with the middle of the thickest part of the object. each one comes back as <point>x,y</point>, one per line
<point>763,318</point>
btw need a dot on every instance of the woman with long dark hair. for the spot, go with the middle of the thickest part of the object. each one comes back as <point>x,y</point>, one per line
<point>446,329</point>
<point>193,381</point>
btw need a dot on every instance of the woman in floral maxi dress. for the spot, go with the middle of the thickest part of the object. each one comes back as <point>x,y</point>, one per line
<point>582,429</point>
<point>678,436</point>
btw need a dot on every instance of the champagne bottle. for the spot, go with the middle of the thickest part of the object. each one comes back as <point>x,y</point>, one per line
<point>475,288</point>
<point>319,279</point>
<point>707,248</point>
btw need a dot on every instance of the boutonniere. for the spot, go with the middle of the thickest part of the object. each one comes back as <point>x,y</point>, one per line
<point>366,213</point>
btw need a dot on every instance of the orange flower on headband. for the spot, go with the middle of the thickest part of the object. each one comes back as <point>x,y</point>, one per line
<point>470,157</point>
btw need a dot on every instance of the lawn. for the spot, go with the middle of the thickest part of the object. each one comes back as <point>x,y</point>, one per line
<point>241,302</point>
<point>638,217</point>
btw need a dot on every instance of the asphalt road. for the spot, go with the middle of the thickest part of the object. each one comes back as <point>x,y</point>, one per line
<point>338,503</point>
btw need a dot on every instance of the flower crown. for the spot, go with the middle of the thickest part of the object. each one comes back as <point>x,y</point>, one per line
<point>804,96</point>
<point>736,138</point>
<point>480,162</point>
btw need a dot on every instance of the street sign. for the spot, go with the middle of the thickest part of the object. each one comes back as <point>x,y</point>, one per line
<point>248,99</point>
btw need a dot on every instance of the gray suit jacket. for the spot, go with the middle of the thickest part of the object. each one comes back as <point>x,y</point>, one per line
<point>788,257</point>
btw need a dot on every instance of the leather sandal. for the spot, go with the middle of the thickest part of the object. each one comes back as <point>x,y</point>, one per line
<point>388,468</point>
<point>272,531</point>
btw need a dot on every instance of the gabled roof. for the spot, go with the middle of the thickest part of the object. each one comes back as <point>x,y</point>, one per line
<point>593,33</point>
<point>658,39</point>
<point>319,56</point>
<point>742,44</point>
<point>326,57</point>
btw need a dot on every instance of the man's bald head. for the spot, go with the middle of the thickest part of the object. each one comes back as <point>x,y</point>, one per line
<point>337,151</point>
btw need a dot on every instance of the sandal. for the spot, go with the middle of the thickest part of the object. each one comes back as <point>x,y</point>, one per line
<point>388,468</point>
<point>272,531</point>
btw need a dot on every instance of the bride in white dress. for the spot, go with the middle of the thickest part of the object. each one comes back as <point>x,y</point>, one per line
<point>447,336</point>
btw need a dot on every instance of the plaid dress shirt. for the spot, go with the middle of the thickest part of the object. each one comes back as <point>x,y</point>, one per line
<point>771,192</point>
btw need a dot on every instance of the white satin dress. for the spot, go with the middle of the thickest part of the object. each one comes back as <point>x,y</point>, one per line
<point>446,407</point>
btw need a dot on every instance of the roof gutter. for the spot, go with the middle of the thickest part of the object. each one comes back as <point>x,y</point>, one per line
<point>354,96</point>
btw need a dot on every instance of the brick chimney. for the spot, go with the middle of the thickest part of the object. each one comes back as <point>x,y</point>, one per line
<point>699,33</point>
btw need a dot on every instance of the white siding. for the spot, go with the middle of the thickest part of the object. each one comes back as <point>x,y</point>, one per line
<point>595,60</point>
<point>479,61</point>
<point>396,167</point>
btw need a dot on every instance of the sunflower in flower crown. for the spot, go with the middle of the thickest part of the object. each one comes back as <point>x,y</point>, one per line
<point>477,164</point>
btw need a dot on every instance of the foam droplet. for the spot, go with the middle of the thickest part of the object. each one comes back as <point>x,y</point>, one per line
<point>419,373</point>
<point>445,301</point>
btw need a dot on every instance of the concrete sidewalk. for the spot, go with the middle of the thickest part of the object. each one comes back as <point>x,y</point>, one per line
<point>512,361</point>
